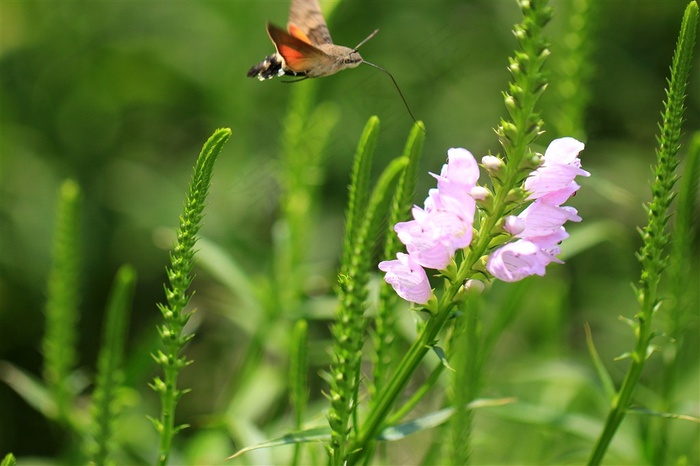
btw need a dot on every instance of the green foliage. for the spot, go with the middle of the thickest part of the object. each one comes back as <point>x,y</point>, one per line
<point>109,367</point>
<point>365,212</point>
<point>653,255</point>
<point>306,130</point>
<point>9,460</point>
<point>298,379</point>
<point>574,66</point>
<point>60,334</point>
<point>385,320</point>
<point>526,87</point>
<point>177,296</point>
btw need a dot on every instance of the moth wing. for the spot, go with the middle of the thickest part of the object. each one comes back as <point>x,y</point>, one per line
<point>305,15</point>
<point>299,56</point>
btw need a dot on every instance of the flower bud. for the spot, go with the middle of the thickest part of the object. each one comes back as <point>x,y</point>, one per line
<point>474,286</point>
<point>479,193</point>
<point>491,163</point>
<point>514,225</point>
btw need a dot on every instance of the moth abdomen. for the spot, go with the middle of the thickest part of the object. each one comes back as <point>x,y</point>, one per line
<point>273,65</point>
<point>270,67</point>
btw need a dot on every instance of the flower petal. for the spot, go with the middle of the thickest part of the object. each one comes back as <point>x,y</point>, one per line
<point>408,278</point>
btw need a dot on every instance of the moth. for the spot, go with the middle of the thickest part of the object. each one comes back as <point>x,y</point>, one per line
<point>306,49</point>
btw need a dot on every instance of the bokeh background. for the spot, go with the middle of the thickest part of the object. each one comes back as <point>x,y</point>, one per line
<point>120,96</point>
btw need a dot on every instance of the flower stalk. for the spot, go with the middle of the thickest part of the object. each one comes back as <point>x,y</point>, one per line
<point>652,255</point>
<point>177,295</point>
<point>59,343</point>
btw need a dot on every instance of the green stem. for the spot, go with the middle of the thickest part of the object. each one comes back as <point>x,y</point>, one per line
<point>622,400</point>
<point>652,255</point>
<point>408,406</point>
<point>407,367</point>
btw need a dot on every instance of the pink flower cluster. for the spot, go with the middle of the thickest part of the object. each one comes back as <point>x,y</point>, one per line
<point>444,224</point>
<point>440,228</point>
<point>540,227</point>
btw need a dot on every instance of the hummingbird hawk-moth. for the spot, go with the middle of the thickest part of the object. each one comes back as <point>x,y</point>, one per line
<point>306,49</point>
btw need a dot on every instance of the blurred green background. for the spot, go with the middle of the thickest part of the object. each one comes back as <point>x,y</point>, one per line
<point>120,95</point>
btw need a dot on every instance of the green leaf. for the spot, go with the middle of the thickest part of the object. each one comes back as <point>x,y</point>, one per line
<point>379,201</point>
<point>318,434</point>
<point>443,358</point>
<point>359,184</point>
<point>299,365</point>
<point>649,412</point>
<point>177,292</point>
<point>349,328</point>
<point>109,376</point>
<point>60,335</point>
<point>30,388</point>
<point>385,320</point>
<point>8,460</point>
<point>606,380</point>
<point>323,434</point>
<point>653,255</point>
<point>226,270</point>
<point>435,419</point>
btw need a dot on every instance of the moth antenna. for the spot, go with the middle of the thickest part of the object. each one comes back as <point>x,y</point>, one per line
<point>365,40</point>
<point>392,78</point>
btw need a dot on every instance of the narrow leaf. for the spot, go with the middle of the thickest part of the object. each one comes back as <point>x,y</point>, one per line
<point>649,412</point>
<point>110,375</point>
<point>379,201</point>
<point>8,460</point>
<point>600,368</point>
<point>60,336</point>
<point>359,182</point>
<point>178,294</point>
<point>385,321</point>
<point>435,419</point>
<point>31,389</point>
<point>318,434</point>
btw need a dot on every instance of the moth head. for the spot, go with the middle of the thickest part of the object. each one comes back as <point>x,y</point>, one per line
<point>352,59</point>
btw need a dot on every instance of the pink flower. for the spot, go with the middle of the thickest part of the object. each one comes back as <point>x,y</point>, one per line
<point>555,177</point>
<point>424,242</point>
<point>408,278</point>
<point>542,219</point>
<point>514,225</point>
<point>438,230</point>
<point>459,175</point>
<point>542,222</point>
<point>518,260</point>
<point>444,225</point>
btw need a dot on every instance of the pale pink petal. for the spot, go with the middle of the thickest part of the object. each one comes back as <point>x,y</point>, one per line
<point>544,219</point>
<point>408,278</point>
<point>515,261</point>
<point>514,225</point>
<point>556,174</point>
<point>424,242</point>
<point>564,151</point>
<point>461,167</point>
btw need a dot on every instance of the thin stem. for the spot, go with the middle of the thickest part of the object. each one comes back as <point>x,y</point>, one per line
<point>652,255</point>
<point>408,406</point>
<point>407,367</point>
<point>622,399</point>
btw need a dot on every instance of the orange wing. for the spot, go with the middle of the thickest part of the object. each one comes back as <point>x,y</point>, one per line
<point>296,31</point>
<point>306,15</point>
<point>299,55</point>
